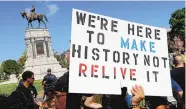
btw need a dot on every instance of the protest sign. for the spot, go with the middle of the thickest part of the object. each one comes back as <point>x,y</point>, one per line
<point>108,53</point>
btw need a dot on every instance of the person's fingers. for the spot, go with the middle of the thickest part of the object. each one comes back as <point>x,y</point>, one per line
<point>141,89</point>
<point>135,89</point>
<point>138,90</point>
<point>136,86</point>
<point>141,92</point>
<point>134,92</point>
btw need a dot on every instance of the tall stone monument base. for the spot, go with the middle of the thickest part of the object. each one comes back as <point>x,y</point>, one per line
<point>39,67</point>
<point>40,56</point>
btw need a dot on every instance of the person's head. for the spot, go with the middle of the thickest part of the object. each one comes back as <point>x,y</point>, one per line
<point>48,71</point>
<point>28,76</point>
<point>161,107</point>
<point>178,61</point>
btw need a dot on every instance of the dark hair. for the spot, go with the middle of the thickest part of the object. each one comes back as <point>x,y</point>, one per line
<point>27,74</point>
<point>62,83</point>
<point>48,70</point>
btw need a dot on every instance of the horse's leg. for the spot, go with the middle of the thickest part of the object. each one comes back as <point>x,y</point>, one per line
<point>39,23</point>
<point>31,24</point>
<point>44,23</point>
<point>28,25</point>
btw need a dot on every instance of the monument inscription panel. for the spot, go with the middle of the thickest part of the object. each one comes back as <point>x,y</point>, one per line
<point>39,47</point>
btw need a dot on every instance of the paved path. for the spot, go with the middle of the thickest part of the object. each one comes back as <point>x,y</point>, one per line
<point>40,96</point>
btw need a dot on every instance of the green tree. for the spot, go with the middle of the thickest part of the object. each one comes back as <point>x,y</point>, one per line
<point>57,56</point>
<point>21,64</point>
<point>21,61</point>
<point>10,67</point>
<point>2,74</point>
<point>61,59</point>
<point>65,62</point>
<point>177,24</point>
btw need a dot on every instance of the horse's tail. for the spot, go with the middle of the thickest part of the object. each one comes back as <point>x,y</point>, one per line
<point>45,17</point>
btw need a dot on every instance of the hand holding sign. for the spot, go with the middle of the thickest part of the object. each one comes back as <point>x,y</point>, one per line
<point>138,94</point>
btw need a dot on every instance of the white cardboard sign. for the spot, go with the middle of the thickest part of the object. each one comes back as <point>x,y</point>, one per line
<point>107,54</point>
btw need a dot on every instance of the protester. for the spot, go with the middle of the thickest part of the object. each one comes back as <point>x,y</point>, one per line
<point>61,90</point>
<point>49,77</point>
<point>67,100</point>
<point>48,80</point>
<point>22,95</point>
<point>31,87</point>
<point>73,100</point>
<point>178,73</point>
<point>3,101</point>
<point>177,94</point>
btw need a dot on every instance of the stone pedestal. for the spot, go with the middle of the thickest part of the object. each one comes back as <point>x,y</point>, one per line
<point>40,56</point>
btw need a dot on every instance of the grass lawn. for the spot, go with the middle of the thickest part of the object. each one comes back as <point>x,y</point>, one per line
<point>2,81</point>
<point>8,88</point>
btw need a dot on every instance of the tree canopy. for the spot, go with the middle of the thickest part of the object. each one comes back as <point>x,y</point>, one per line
<point>10,67</point>
<point>177,24</point>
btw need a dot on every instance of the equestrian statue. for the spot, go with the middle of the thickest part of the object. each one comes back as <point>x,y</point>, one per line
<point>32,16</point>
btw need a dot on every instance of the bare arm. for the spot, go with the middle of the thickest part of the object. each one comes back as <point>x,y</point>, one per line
<point>89,103</point>
<point>180,93</point>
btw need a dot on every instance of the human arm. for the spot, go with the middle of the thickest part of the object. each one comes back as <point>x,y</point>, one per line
<point>35,91</point>
<point>138,96</point>
<point>176,87</point>
<point>44,80</point>
<point>55,78</point>
<point>180,93</point>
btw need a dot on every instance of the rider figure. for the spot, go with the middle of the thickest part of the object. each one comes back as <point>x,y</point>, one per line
<point>33,11</point>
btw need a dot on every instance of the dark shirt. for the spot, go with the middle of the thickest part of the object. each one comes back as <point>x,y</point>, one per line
<point>23,96</point>
<point>154,101</point>
<point>74,100</point>
<point>50,78</point>
<point>26,96</point>
<point>32,88</point>
<point>114,102</point>
<point>33,91</point>
<point>178,74</point>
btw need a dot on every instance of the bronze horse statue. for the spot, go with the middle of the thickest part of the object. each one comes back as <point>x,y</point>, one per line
<point>32,17</point>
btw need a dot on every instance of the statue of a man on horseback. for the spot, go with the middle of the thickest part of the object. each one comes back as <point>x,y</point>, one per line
<point>32,16</point>
<point>33,11</point>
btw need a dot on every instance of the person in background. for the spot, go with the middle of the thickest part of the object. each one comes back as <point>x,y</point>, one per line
<point>48,80</point>
<point>22,94</point>
<point>49,77</point>
<point>178,73</point>
<point>31,87</point>
<point>137,97</point>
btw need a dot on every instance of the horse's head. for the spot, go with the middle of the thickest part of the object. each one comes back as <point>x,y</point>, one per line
<point>23,14</point>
